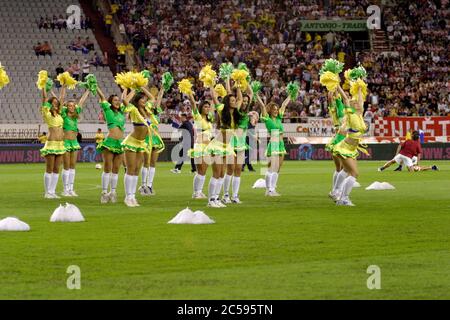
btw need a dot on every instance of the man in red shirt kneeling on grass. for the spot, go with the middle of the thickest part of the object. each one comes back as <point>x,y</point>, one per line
<point>409,149</point>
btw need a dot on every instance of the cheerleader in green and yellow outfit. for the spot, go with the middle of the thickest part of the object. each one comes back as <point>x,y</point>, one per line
<point>134,144</point>
<point>111,148</point>
<point>53,149</point>
<point>272,116</point>
<point>70,113</point>
<point>239,145</point>
<point>336,110</point>
<point>348,149</point>
<point>220,147</point>
<point>203,123</point>
<point>154,142</point>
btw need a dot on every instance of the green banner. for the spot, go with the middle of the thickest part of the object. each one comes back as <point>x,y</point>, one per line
<point>334,25</point>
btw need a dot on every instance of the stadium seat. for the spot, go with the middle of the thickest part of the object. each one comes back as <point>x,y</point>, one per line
<point>20,33</point>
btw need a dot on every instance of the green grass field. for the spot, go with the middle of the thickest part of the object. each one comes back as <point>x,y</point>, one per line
<point>298,246</point>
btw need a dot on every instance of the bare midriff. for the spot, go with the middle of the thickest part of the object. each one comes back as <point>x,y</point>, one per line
<point>139,132</point>
<point>55,134</point>
<point>115,133</point>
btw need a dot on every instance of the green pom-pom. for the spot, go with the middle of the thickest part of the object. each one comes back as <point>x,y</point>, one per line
<point>292,89</point>
<point>340,108</point>
<point>147,74</point>
<point>48,85</point>
<point>357,73</point>
<point>225,70</point>
<point>331,65</point>
<point>90,83</point>
<point>243,66</point>
<point>167,81</point>
<point>256,88</point>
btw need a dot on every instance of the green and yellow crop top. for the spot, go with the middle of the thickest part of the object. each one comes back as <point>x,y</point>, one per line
<point>136,117</point>
<point>154,114</point>
<point>201,124</point>
<point>274,125</point>
<point>51,121</point>
<point>245,120</point>
<point>70,124</point>
<point>113,119</point>
<point>355,124</point>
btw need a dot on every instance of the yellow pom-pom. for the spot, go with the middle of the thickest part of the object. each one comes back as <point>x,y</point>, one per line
<point>185,86</point>
<point>131,80</point>
<point>124,80</point>
<point>354,87</point>
<point>4,79</point>
<point>65,79</point>
<point>42,79</point>
<point>346,85</point>
<point>330,80</point>
<point>208,76</point>
<point>240,78</point>
<point>220,90</point>
<point>138,80</point>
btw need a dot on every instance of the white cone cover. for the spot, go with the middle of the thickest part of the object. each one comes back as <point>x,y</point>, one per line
<point>380,186</point>
<point>260,183</point>
<point>186,216</point>
<point>357,185</point>
<point>69,213</point>
<point>13,224</point>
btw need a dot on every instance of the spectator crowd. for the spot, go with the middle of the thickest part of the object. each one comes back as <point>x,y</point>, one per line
<point>181,36</point>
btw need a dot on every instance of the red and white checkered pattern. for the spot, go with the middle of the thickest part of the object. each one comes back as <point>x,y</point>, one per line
<point>382,127</point>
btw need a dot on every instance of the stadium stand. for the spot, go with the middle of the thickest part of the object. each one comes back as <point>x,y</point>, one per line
<point>181,36</point>
<point>20,100</point>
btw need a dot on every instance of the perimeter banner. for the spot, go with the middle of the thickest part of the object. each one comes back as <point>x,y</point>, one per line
<point>399,126</point>
<point>385,151</point>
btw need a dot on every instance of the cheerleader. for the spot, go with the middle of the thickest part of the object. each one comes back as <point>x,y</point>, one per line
<point>203,125</point>
<point>154,143</point>
<point>134,144</point>
<point>348,149</point>
<point>70,113</point>
<point>222,151</point>
<point>53,149</point>
<point>111,148</point>
<point>238,142</point>
<point>272,116</point>
<point>336,111</point>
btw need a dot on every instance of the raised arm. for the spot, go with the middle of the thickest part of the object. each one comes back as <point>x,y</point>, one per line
<point>239,99</point>
<point>44,96</point>
<point>128,97</point>
<point>83,98</point>
<point>214,97</point>
<point>62,95</point>
<point>343,95</point>
<point>149,94</point>
<point>249,92</point>
<point>262,105</point>
<point>193,102</point>
<point>360,100</point>
<point>160,96</point>
<point>228,85</point>
<point>285,104</point>
<point>101,95</point>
